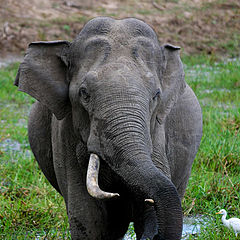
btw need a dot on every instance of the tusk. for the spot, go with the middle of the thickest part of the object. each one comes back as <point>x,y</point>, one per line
<point>92,179</point>
<point>150,201</point>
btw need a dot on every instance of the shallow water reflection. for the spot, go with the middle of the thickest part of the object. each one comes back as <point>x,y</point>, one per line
<point>4,62</point>
<point>191,226</point>
<point>10,145</point>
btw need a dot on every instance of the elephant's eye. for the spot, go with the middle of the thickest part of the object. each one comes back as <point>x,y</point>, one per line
<point>84,94</point>
<point>157,94</point>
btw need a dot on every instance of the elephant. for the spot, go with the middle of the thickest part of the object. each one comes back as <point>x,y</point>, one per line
<point>114,128</point>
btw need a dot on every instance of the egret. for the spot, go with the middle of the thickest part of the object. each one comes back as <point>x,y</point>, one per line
<point>232,223</point>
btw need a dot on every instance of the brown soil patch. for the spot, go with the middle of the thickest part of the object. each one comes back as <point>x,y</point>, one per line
<point>208,26</point>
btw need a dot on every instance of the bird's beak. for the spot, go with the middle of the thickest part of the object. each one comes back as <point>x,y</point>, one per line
<point>218,212</point>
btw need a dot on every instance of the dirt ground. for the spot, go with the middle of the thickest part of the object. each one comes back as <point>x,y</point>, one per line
<point>198,26</point>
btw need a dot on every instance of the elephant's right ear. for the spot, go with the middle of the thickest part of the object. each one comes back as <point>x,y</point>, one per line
<point>43,75</point>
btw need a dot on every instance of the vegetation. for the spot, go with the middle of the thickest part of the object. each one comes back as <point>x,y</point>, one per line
<point>30,207</point>
<point>214,183</point>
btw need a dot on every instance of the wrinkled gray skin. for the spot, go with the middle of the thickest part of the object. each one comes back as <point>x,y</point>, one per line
<point>114,91</point>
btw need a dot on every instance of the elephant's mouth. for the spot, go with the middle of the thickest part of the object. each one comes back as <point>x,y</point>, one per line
<point>92,181</point>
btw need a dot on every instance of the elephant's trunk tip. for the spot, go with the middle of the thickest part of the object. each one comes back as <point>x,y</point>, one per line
<point>92,180</point>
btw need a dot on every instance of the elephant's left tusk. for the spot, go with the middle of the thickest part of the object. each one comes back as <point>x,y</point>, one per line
<point>150,201</point>
<point>92,180</point>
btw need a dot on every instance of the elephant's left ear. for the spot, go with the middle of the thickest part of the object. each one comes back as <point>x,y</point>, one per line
<point>43,75</point>
<point>171,80</point>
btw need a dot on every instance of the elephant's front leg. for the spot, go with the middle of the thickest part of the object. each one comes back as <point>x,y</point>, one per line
<point>87,216</point>
<point>92,219</point>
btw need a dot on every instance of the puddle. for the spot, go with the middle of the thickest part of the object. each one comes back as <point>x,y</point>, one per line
<point>205,73</point>
<point>16,108</point>
<point>10,145</point>
<point>4,62</point>
<point>216,90</point>
<point>207,102</point>
<point>226,61</point>
<point>191,226</point>
<point>21,123</point>
<point>128,237</point>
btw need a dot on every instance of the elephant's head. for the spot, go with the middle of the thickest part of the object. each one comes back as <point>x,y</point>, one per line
<point>119,85</point>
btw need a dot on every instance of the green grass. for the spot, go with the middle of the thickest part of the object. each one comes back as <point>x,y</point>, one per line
<point>31,208</point>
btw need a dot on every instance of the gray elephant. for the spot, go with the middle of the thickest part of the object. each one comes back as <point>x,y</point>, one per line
<point>113,96</point>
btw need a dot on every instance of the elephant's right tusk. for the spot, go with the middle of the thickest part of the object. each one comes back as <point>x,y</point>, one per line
<point>149,201</point>
<point>92,180</point>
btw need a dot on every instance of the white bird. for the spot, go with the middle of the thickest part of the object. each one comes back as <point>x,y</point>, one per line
<point>232,223</point>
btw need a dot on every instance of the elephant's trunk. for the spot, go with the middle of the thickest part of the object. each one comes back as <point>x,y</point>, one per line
<point>120,134</point>
<point>147,182</point>
<point>92,180</point>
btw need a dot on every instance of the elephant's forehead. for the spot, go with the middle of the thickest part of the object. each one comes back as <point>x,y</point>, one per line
<point>125,28</point>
